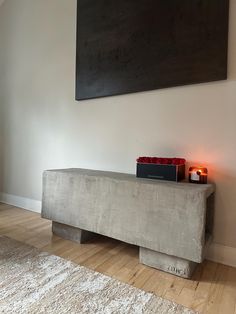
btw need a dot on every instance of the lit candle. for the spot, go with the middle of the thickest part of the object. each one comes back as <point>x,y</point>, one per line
<point>198,175</point>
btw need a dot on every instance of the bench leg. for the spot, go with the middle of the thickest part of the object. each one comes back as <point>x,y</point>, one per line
<point>171,264</point>
<point>71,233</point>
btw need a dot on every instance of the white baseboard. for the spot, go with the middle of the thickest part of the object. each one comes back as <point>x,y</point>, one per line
<point>216,252</point>
<point>222,254</point>
<point>22,202</point>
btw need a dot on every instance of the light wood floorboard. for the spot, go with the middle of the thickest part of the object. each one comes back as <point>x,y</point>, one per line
<point>211,290</point>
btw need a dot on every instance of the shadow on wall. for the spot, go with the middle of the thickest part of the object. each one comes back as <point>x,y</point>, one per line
<point>225,199</point>
<point>225,180</point>
<point>1,153</point>
<point>1,165</point>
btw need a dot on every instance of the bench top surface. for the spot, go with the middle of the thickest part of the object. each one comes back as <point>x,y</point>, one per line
<point>184,185</point>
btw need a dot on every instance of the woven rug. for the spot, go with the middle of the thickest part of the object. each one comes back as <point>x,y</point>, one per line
<point>32,281</point>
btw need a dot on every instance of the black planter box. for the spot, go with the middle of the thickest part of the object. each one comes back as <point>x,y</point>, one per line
<point>161,172</point>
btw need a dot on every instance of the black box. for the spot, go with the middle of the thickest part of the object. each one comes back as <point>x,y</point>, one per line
<point>161,172</point>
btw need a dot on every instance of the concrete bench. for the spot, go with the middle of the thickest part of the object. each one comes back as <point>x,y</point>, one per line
<point>170,222</point>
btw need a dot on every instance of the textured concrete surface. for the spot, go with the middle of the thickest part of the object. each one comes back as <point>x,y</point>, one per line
<point>171,264</point>
<point>71,233</point>
<point>165,217</point>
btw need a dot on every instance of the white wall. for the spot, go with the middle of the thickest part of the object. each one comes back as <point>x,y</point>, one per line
<point>44,127</point>
<point>1,103</point>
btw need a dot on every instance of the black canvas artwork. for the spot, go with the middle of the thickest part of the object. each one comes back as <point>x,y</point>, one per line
<point>126,46</point>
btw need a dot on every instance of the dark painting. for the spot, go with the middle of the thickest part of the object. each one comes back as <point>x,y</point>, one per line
<point>126,46</point>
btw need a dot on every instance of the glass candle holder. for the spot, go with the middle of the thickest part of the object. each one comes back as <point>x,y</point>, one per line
<point>198,175</point>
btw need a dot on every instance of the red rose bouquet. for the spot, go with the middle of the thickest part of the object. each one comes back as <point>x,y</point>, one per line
<point>161,161</point>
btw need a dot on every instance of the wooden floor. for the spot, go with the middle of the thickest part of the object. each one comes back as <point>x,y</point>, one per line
<point>211,290</point>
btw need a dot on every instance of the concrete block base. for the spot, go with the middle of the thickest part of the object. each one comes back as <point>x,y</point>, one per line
<point>71,233</point>
<point>171,264</point>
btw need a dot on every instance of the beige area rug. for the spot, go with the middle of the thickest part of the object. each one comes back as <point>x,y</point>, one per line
<point>32,281</point>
